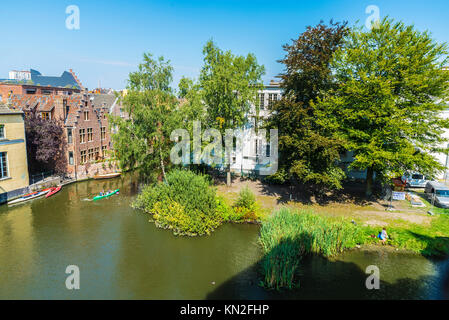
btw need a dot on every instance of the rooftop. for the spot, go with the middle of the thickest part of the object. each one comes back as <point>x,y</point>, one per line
<point>66,80</point>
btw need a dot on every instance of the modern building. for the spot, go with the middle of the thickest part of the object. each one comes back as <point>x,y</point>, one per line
<point>34,83</point>
<point>13,155</point>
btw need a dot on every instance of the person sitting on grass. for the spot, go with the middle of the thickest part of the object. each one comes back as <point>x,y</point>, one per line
<point>383,236</point>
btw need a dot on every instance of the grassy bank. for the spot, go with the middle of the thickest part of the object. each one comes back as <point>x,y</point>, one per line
<point>290,234</point>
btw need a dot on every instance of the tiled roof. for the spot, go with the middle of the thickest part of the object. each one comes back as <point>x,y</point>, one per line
<point>42,102</point>
<point>5,110</point>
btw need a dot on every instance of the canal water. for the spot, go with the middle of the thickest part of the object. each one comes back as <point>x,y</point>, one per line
<point>121,255</point>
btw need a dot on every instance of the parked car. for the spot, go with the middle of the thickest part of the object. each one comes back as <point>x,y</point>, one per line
<point>415,180</point>
<point>439,193</point>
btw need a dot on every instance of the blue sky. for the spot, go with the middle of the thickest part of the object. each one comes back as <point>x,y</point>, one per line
<point>114,34</point>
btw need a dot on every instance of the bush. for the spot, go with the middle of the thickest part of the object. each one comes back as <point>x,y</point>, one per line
<point>186,203</point>
<point>246,198</point>
<point>288,235</point>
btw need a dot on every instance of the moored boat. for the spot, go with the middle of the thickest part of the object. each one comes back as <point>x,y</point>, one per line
<point>106,195</point>
<point>53,191</point>
<point>107,175</point>
<point>30,196</point>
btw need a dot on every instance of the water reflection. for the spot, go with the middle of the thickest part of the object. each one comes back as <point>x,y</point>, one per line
<point>123,256</point>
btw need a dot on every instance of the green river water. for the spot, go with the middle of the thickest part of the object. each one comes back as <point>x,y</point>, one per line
<point>123,256</point>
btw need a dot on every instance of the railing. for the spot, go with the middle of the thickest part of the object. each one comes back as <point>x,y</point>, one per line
<point>40,176</point>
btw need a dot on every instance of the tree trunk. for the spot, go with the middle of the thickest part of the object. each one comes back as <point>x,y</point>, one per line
<point>228,176</point>
<point>162,164</point>
<point>369,182</point>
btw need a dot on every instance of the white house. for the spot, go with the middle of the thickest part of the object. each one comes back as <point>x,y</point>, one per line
<point>248,158</point>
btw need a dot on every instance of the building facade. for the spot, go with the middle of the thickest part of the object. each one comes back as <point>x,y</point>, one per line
<point>254,145</point>
<point>14,178</point>
<point>34,83</point>
<point>86,127</point>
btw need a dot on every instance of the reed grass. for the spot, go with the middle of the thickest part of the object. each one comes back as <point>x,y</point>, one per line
<point>289,235</point>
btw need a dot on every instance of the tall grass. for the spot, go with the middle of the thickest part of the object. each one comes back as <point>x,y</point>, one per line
<point>288,235</point>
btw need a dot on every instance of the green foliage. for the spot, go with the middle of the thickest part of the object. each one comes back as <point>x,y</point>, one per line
<point>309,153</point>
<point>246,198</point>
<point>288,235</point>
<point>143,141</point>
<point>185,203</point>
<point>387,104</point>
<point>229,83</point>
<point>280,177</point>
<point>227,212</point>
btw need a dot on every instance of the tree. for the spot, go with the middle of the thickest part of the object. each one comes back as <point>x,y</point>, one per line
<point>309,153</point>
<point>229,85</point>
<point>143,141</point>
<point>387,104</point>
<point>45,144</point>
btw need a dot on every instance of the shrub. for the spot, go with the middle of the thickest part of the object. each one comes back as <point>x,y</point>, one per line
<point>288,235</point>
<point>246,198</point>
<point>186,203</point>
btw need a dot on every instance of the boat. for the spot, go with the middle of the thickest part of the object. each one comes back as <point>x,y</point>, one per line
<point>106,195</point>
<point>107,175</point>
<point>53,191</point>
<point>30,196</point>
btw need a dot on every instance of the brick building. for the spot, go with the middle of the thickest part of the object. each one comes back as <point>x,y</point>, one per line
<point>87,131</point>
<point>34,83</point>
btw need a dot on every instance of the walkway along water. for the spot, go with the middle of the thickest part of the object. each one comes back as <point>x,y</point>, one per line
<point>123,256</point>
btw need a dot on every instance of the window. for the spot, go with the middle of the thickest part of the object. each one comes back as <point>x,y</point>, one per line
<point>103,150</point>
<point>71,158</point>
<point>3,165</point>
<point>267,150</point>
<point>97,153</point>
<point>86,115</point>
<point>69,135</point>
<point>45,115</point>
<point>103,133</point>
<point>83,157</point>
<point>272,98</point>
<point>261,100</point>
<point>2,131</point>
<point>30,91</point>
<point>46,92</point>
<point>82,136</point>
<point>1,97</point>
<point>90,154</point>
<point>89,134</point>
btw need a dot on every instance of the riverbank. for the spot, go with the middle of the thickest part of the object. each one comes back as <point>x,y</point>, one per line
<point>410,229</point>
<point>123,256</point>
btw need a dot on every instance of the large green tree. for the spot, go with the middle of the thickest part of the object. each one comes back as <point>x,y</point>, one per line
<point>388,99</point>
<point>309,153</point>
<point>143,141</point>
<point>229,85</point>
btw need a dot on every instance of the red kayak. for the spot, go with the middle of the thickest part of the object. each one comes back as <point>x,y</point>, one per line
<point>53,191</point>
